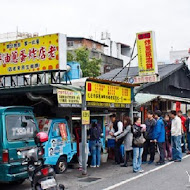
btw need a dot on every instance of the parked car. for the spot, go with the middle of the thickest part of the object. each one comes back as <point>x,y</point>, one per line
<point>59,149</point>
<point>17,130</point>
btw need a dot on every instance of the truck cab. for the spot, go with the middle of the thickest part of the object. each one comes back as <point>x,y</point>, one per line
<point>59,150</point>
<point>17,130</point>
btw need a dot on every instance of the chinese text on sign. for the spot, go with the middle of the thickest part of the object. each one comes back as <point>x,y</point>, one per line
<point>35,54</point>
<point>96,92</point>
<point>147,60</point>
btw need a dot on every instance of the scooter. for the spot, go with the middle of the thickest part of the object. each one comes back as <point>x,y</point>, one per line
<point>41,176</point>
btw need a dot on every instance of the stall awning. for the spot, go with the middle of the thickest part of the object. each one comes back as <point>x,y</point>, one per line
<point>143,98</point>
<point>66,87</point>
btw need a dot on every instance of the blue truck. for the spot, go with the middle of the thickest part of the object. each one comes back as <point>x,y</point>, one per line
<point>59,150</point>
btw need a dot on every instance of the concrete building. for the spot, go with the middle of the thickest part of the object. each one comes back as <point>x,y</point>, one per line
<point>116,49</point>
<point>98,50</point>
<point>77,42</point>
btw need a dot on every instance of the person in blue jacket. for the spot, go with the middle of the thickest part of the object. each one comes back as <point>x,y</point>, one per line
<point>159,135</point>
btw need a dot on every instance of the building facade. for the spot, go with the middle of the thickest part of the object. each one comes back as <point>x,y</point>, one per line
<point>97,50</point>
<point>116,49</point>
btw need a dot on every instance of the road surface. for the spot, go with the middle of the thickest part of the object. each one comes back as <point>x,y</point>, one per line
<point>171,176</point>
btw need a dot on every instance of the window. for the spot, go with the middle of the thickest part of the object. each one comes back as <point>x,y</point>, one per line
<point>56,129</point>
<point>60,129</point>
<point>20,127</point>
<point>94,46</point>
<point>70,43</point>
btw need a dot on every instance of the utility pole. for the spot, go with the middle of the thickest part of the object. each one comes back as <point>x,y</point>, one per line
<point>131,111</point>
<point>84,138</point>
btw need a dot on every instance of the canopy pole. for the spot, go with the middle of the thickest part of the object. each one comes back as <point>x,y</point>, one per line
<point>131,111</point>
<point>84,138</point>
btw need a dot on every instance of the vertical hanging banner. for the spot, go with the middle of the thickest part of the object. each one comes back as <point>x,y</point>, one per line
<point>147,58</point>
<point>178,106</point>
<point>37,54</point>
<point>63,131</point>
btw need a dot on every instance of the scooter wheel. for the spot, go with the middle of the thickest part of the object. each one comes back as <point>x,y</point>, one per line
<point>61,165</point>
<point>61,187</point>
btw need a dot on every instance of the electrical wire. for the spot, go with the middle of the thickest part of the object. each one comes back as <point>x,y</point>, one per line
<point>131,59</point>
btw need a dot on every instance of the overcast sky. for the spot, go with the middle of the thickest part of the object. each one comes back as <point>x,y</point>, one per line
<point>170,19</point>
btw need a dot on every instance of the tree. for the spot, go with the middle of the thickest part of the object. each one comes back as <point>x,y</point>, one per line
<point>70,56</point>
<point>89,67</point>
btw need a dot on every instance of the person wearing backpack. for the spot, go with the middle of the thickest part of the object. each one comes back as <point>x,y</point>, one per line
<point>138,141</point>
<point>95,144</point>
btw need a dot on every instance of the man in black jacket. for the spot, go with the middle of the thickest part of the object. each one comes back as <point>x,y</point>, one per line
<point>149,145</point>
<point>187,125</point>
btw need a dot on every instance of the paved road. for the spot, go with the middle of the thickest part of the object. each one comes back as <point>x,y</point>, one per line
<point>171,176</point>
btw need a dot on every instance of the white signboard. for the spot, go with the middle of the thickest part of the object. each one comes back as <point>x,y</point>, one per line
<point>143,79</point>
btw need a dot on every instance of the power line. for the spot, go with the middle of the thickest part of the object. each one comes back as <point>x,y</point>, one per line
<point>131,59</point>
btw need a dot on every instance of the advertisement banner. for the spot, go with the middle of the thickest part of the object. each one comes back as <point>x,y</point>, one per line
<point>147,58</point>
<point>42,53</point>
<point>63,131</point>
<point>85,117</point>
<point>96,92</point>
<point>69,97</point>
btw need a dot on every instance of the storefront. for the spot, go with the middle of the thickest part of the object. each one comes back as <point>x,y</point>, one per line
<point>165,103</point>
<point>103,97</point>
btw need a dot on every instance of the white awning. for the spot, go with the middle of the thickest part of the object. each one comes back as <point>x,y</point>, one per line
<point>143,98</point>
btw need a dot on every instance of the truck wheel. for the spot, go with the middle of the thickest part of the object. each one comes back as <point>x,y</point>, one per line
<point>61,165</point>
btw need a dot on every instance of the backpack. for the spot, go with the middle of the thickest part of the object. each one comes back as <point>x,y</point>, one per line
<point>96,132</point>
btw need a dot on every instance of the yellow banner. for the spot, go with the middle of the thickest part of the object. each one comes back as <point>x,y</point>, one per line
<point>96,92</point>
<point>69,97</point>
<point>33,54</point>
<point>147,60</point>
<point>85,117</point>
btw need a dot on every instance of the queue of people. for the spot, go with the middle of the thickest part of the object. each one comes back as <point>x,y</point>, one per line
<point>167,133</point>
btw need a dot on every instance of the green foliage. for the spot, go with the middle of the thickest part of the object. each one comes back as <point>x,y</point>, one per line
<point>70,56</point>
<point>89,67</point>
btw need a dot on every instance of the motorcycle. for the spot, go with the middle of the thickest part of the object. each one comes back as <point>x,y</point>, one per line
<point>41,176</point>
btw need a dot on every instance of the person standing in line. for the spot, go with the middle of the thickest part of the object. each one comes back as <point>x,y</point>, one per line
<point>118,129</point>
<point>167,144</point>
<point>95,133</point>
<point>149,145</point>
<point>183,120</point>
<point>159,136</point>
<point>138,132</point>
<point>187,125</point>
<point>128,138</point>
<point>176,137</point>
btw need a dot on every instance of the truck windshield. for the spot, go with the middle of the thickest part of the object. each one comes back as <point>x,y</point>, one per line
<point>20,127</point>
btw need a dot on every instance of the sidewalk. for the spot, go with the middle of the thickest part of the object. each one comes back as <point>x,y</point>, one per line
<point>105,176</point>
